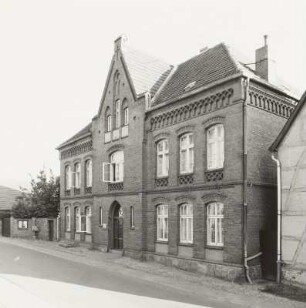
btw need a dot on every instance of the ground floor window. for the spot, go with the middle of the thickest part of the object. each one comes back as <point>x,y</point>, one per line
<point>77,219</point>
<point>67,219</point>
<point>22,224</point>
<point>215,218</point>
<point>88,219</point>
<point>186,223</point>
<point>162,222</point>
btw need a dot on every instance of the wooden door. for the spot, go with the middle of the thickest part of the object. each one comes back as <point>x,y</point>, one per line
<point>51,229</point>
<point>118,228</point>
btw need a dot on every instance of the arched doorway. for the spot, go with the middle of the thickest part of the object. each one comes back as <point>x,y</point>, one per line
<point>117,225</point>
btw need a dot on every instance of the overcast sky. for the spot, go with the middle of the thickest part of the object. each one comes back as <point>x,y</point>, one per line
<point>54,58</point>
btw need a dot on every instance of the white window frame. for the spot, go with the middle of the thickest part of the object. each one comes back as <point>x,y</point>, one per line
<point>187,152</point>
<point>215,147</point>
<point>117,113</point>
<point>67,219</point>
<point>186,223</point>
<point>113,172</point>
<point>215,218</point>
<point>77,175</point>
<point>78,220</point>
<point>88,167</point>
<point>68,184</point>
<point>88,219</point>
<point>162,222</point>
<point>22,224</point>
<point>162,157</point>
<point>126,116</point>
<point>108,123</point>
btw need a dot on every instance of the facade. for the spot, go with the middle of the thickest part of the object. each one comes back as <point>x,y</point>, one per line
<point>7,200</point>
<point>290,147</point>
<point>175,166</point>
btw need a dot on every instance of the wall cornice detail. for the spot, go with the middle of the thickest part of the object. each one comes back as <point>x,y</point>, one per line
<point>159,200</point>
<point>115,147</point>
<point>214,120</point>
<point>193,109</point>
<point>213,197</point>
<point>185,129</point>
<point>185,199</point>
<point>77,149</point>
<point>163,135</point>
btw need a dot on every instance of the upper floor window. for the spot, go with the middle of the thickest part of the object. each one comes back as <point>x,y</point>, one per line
<point>118,113</point>
<point>114,170</point>
<point>108,120</point>
<point>215,224</point>
<point>186,223</point>
<point>67,177</point>
<point>77,175</point>
<point>162,158</point>
<point>186,153</point>
<point>126,116</point>
<point>88,175</point>
<point>215,147</point>
<point>162,222</point>
<point>67,218</point>
<point>88,219</point>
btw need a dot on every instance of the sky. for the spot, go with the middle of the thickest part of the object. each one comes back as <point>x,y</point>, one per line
<point>55,55</point>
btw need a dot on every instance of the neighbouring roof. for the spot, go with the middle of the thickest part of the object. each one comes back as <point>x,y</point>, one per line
<point>8,197</point>
<point>147,73</point>
<point>210,66</point>
<point>288,124</point>
<point>86,131</point>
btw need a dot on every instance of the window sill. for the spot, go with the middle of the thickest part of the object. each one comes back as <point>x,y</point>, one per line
<point>186,244</point>
<point>161,242</point>
<point>214,247</point>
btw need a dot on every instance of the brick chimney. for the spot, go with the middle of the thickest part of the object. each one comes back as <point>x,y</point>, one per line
<point>264,66</point>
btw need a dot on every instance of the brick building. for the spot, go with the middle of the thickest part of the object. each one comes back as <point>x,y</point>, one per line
<point>175,166</point>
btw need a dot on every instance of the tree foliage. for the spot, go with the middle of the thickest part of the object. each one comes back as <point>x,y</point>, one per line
<point>42,200</point>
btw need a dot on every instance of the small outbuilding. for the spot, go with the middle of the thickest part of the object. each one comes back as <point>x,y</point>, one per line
<point>289,150</point>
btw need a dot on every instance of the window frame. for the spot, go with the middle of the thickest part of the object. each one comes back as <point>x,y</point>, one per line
<point>218,232</point>
<point>186,223</point>
<point>67,219</point>
<point>113,171</point>
<point>162,170</point>
<point>78,219</point>
<point>23,222</point>
<point>189,150</point>
<point>162,222</point>
<point>88,173</point>
<point>77,175</point>
<point>88,216</point>
<point>117,113</point>
<point>125,116</point>
<point>68,177</point>
<point>215,147</point>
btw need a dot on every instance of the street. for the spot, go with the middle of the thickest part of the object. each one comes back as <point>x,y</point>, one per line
<point>64,278</point>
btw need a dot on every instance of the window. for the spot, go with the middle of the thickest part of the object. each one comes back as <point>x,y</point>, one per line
<point>22,224</point>
<point>100,216</point>
<point>186,223</point>
<point>109,123</point>
<point>186,154</point>
<point>88,219</point>
<point>68,177</point>
<point>215,147</point>
<point>132,217</point>
<point>162,158</point>
<point>118,113</point>
<point>162,222</point>
<point>67,219</point>
<point>126,116</point>
<point>77,175</point>
<point>215,224</point>
<point>88,170</point>
<point>113,171</point>
<point>77,219</point>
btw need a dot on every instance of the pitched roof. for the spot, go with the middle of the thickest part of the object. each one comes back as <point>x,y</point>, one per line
<point>8,197</point>
<point>147,72</point>
<point>86,131</point>
<point>288,124</point>
<point>212,65</point>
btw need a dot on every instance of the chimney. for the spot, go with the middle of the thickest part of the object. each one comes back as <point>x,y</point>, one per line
<point>264,65</point>
<point>119,42</point>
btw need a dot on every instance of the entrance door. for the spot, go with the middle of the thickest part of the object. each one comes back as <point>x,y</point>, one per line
<point>6,227</point>
<point>118,228</point>
<point>51,229</point>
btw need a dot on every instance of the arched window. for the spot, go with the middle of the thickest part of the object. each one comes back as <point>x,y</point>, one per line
<point>132,225</point>
<point>186,223</point>
<point>186,153</point>
<point>67,219</point>
<point>67,177</point>
<point>108,120</point>
<point>215,147</point>
<point>88,219</point>
<point>126,116</point>
<point>77,219</point>
<point>88,173</point>
<point>116,84</point>
<point>77,175</point>
<point>215,224</point>
<point>162,222</point>
<point>118,113</point>
<point>162,149</point>
<point>117,163</point>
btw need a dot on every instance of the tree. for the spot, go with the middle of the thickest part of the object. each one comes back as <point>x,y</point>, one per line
<point>42,200</point>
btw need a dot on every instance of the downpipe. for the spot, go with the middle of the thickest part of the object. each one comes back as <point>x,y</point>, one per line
<point>279,217</point>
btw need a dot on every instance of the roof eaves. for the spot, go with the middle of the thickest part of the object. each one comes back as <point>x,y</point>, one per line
<point>284,131</point>
<point>66,143</point>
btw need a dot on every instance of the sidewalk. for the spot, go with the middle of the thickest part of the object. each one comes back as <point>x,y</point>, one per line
<point>252,295</point>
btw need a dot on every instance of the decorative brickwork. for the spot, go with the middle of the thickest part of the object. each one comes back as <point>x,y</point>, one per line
<point>194,109</point>
<point>115,186</point>
<point>270,103</point>
<point>67,192</point>
<point>185,179</point>
<point>161,182</point>
<point>216,175</point>
<point>88,190</point>
<point>77,191</point>
<point>76,150</point>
